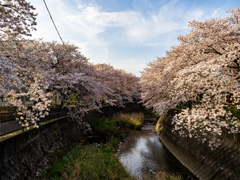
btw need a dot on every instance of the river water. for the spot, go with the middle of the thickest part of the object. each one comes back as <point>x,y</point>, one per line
<point>143,155</point>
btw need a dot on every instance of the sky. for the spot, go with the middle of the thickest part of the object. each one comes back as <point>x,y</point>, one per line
<point>126,34</point>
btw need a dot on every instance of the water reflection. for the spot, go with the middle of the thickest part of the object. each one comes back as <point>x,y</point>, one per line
<point>142,153</point>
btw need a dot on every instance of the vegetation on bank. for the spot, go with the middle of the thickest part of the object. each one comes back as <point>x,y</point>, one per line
<point>133,120</point>
<point>97,160</point>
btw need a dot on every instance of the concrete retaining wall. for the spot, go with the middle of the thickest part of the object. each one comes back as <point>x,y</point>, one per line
<point>222,163</point>
<point>24,155</point>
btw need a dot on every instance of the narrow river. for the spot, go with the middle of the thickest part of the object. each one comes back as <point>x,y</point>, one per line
<point>143,155</point>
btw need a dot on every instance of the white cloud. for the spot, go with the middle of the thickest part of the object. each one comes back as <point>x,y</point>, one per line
<point>130,65</point>
<point>95,30</point>
<point>92,21</point>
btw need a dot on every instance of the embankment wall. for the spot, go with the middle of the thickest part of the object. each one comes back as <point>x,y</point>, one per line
<point>222,163</point>
<point>24,156</point>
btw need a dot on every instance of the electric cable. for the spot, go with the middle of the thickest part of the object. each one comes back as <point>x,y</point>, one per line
<point>56,28</point>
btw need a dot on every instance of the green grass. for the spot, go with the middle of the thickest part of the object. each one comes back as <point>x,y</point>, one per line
<point>94,161</point>
<point>89,162</point>
<point>133,120</point>
<point>105,128</point>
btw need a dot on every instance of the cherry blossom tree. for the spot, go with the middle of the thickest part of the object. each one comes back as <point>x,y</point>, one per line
<point>125,86</point>
<point>206,63</point>
<point>51,67</point>
<point>45,67</point>
<point>31,72</point>
<point>8,73</point>
<point>17,18</point>
<point>39,69</point>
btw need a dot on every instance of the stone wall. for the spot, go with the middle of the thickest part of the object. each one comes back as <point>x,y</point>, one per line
<point>204,163</point>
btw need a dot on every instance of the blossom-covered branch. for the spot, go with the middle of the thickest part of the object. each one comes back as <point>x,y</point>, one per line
<point>205,64</point>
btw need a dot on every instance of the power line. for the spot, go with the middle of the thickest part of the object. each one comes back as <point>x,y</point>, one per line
<point>56,28</point>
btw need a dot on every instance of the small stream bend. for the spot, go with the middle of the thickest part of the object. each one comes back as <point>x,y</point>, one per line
<point>142,154</point>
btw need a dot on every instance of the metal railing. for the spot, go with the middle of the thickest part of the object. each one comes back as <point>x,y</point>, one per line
<point>8,123</point>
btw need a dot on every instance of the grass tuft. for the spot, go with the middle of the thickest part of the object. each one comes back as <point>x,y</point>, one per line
<point>89,162</point>
<point>133,120</point>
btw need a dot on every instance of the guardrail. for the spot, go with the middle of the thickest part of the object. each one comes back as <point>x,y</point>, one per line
<point>8,123</point>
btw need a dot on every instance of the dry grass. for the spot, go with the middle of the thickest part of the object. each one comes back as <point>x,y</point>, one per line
<point>134,120</point>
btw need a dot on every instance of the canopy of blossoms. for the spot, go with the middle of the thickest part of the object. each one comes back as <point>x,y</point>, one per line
<point>204,66</point>
<point>40,69</point>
